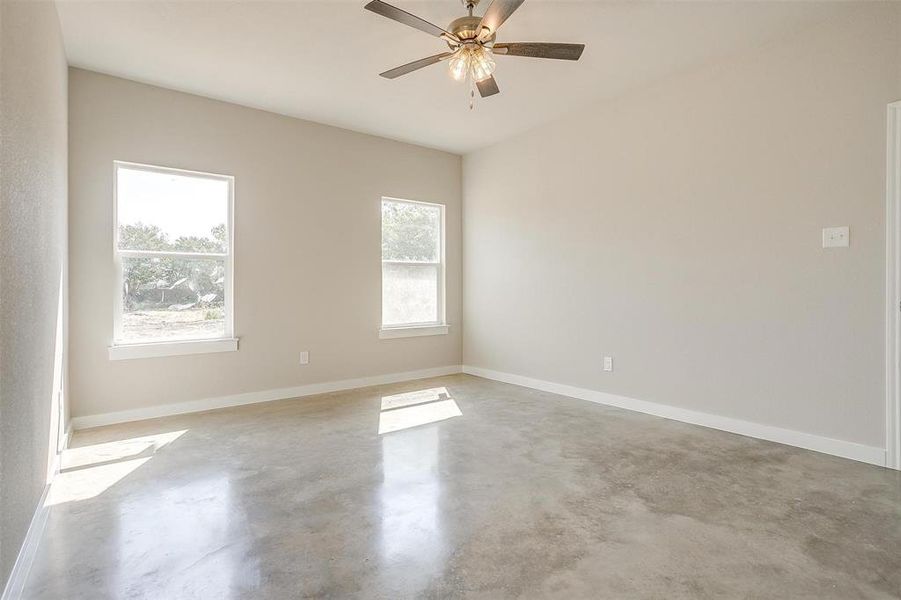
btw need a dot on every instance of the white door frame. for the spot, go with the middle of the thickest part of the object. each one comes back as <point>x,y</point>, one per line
<point>893,289</point>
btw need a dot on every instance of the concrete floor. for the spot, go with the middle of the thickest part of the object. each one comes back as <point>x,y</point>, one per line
<point>513,493</point>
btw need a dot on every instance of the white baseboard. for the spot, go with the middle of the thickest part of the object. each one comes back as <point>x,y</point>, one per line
<point>16,582</point>
<point>852,450</point>
<point>165,410</point>
<point>67,437</point>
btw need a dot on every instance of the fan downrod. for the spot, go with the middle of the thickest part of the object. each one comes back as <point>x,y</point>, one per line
<point>470,5</point>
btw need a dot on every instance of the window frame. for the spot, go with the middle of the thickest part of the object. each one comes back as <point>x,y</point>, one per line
<point>119,349</point>
<point>438,327</point>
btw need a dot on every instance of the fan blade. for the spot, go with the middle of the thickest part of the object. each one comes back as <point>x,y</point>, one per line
<point>498,12</point>
<point>416,64</point>
<point>487,87</point>
<point>402,16</point>
<point>540,50</point>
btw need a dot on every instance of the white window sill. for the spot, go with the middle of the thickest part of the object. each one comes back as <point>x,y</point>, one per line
<point>155,349</point>
<point>386,333</point>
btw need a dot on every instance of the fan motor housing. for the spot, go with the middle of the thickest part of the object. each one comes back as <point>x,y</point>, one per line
<point>467,28</point>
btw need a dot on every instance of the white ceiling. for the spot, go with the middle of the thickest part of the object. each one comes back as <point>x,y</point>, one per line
<point>320,60</point>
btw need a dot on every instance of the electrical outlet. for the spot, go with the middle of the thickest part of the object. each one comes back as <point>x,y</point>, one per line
<point>608,363</point>
<point>305,358</point>
<point>836,237</point>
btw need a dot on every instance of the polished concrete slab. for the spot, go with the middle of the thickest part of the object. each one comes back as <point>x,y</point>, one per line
<point>458,487</point>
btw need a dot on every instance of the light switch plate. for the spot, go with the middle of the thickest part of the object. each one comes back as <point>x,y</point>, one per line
<point>608,363</point>
<point>305,358</point>
<point>836,237</point>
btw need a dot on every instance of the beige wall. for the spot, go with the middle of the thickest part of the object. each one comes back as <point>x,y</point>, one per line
<point>898,63</point>
<point>678,229</point>
<point>307,243</point>
<point>32,261</point>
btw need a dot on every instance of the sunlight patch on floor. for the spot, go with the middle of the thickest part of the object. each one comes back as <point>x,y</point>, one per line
<point>73,458</point>
<point>417,397</point>
<point>88,471</point>
<point>411,409</point>
<point>82,484</point>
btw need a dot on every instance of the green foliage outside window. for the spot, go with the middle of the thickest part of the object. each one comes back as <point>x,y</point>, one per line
<point>410,232</point>
<point>161,282</point>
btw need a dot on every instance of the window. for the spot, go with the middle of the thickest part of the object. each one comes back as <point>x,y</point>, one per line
<point>412,268</point>
<point>173,254</point>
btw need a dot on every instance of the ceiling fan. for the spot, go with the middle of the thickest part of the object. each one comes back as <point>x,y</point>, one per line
<point>472,45</point>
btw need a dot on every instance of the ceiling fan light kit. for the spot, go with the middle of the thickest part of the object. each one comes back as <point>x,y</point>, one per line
<point>471,41</point>
<point>472,62</point>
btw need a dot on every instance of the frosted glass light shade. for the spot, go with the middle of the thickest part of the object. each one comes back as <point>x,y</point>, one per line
<point>474,62</point>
